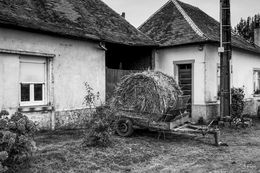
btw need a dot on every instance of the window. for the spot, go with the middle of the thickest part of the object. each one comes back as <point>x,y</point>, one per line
<point>32,81</point>
<point>256,81</point>
<point>218,81</point>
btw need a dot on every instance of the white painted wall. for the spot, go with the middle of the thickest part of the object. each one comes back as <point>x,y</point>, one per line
<point>76,62</point>
<point>243,63</point>
<point>212,60</point>
<point>9,78</point>
<point>164,62</point>
<point>205,73</point>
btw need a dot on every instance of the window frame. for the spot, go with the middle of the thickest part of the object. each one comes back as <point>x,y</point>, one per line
<point>32,102</point>
<point>258,79</point>
<point>218,74</point>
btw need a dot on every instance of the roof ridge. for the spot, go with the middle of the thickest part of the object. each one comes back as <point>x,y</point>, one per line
<point>120,16</point>
<point>195,28</point>
<point>153,14</point>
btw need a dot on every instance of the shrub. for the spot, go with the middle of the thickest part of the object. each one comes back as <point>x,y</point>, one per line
<point>90,98</point>
<point>99,128</point>
<point>237,104</point>
<point>16,140</point>
<point>100,125</point>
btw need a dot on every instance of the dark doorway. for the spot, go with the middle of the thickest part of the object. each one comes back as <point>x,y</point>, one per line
<point>122,60</point>
<point>185,81</point>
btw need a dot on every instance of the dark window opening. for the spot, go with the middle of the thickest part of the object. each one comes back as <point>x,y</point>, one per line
<point>25,92</point>
<point>38,95</point>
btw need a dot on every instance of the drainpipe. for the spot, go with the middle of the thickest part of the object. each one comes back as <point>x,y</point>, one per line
<point>102,46</point>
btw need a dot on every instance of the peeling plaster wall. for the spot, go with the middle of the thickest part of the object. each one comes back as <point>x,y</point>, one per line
<point>75,62</point>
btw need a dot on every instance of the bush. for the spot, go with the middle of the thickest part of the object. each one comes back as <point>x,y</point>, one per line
<point>237,104</point>
<point>100,128</point>
<point>16,140</point>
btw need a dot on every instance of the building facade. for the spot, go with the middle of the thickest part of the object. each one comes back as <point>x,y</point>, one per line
<point>188,50</point>
<point>49,49</point>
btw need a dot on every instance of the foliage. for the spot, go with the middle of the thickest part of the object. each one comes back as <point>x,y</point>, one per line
<point>245,27</point>
<point>4,113</point>
<point>16,140</point>
<point>100,128</point>
<point>238,103</point>
<point>90,98</point>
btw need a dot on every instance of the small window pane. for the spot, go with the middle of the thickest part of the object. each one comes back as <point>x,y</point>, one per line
<point>38,92</point>
<point>256,82</point>
<point>25,92</point>
<point>218,81</point>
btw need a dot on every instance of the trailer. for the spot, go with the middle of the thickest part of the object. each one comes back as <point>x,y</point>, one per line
<point>176,121</point>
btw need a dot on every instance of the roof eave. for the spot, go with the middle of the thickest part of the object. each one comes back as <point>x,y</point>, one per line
<point>83,38</point>
<point>205,42</point>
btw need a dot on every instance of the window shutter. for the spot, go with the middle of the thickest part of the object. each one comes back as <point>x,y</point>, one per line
<point>32,72</point>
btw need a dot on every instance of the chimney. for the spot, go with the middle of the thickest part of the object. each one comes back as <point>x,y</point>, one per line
<point>257,33</point>
<point>123,14</point>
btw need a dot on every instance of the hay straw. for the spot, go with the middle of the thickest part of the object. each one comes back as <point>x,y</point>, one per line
<point>150,92</point>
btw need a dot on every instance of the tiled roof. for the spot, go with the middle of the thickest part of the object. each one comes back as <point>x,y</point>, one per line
<point>87,19</point>
<point>178,23</point>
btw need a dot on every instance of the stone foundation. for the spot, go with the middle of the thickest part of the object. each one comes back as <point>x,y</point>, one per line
<point>207,112</point>
<point>50,120</point>
<point>251,106</point>
<point>76,119</point>
<point>72,119</point>
<point>43,119</point>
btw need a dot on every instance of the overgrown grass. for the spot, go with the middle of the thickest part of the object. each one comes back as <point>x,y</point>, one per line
<point>62,151</point>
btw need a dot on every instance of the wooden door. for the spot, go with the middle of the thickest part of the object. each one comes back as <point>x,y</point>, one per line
<point>185,81</point>
<point>113,77</point>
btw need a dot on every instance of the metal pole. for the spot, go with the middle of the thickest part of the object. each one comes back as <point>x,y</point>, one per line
<point>225,57</point>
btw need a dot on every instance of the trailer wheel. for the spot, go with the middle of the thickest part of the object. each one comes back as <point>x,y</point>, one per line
<point>124,127</point>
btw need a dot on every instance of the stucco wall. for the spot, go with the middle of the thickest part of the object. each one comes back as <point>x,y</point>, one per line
<point>242,65</point>
<point>164,62</point>
<point>75,62</point>
<point>9,78</point>
<point>212,61</point>
<point>205,103</point>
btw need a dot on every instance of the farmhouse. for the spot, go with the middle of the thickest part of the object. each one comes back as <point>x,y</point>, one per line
<point>49,48</point>
<point>188,40</point>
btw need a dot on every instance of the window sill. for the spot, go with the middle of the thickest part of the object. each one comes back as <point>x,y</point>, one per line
<point>42,108</point>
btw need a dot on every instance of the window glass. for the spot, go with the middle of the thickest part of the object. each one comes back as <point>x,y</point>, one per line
<point>38,94</point>
<point>25,92</point>
<point>256,82</point>
<point>218,80</point>
<point>32,80</point>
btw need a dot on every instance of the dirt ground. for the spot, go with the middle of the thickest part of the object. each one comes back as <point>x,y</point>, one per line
<point>61,151</point>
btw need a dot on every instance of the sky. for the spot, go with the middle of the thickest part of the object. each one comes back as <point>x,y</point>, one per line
<point>138,11</point>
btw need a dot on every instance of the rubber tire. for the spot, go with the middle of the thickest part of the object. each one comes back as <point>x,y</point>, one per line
<point>128,123</point>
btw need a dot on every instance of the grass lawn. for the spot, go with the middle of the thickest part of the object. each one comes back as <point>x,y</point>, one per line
<point>61,151</point>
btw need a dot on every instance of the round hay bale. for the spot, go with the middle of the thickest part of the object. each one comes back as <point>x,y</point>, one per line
<point>147,92</point>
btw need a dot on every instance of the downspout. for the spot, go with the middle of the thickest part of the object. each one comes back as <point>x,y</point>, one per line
<point>102,45</point>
